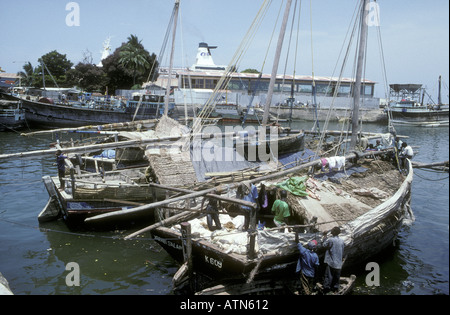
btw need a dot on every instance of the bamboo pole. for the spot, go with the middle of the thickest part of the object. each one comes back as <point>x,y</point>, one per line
<point>338,133</point>
<point>210,195</point>
<point>92,127</point>
<point>87,148</point>
<point>112,145</point>
<point>435,166</point>
<point>187,252</point>
<point>154,205</point>
<point>178,218</point>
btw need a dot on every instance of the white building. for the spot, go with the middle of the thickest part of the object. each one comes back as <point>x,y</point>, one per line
<point>194,86</point>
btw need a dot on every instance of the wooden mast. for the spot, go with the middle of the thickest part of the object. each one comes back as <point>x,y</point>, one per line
<point>357,88</point>
<point>166,101</point>
<point>440,89</point>
<point>276,63</point>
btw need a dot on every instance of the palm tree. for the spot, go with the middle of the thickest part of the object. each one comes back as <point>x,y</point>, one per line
<point>27,74</point>
<point>134,41</point>
<point>134,57</point>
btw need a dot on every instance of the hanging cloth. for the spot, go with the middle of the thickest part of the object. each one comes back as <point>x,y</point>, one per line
<point>340,162</point>
<point>331,162</point>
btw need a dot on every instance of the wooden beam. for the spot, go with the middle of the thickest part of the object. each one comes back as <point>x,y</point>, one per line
<point>438,166</point>
<point>114,145</point>
<point>187,251</point>
<point>176,219</point>
<point>209,195</point>
<point>93,127</point>
<point>148,206</point>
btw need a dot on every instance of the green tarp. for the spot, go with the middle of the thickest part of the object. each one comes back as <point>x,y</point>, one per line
<point>295,185</point>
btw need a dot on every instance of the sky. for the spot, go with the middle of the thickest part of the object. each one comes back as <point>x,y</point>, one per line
<point>414,34</point>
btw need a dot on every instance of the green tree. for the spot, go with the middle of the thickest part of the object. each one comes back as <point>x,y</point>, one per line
<point>27,74</point>
<point>135,58</point>
<point>118,77</point>
<point>88,77</point>
<point>56,66</point>
<point>120,69</point>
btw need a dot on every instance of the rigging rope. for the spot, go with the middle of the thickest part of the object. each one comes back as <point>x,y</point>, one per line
<point>237,58</point>
<point>163,49</point>
<point>255,89</point>
<point>351,31</point>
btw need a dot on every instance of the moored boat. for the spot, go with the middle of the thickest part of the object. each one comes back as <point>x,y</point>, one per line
<point>269,286</point>
<point>233,113</point>
<point>369,224</point>
<point>46,113</point>
<point>12,115</point>
<point>91,194</point>
<point>411,110</point>
<point>276,143</point>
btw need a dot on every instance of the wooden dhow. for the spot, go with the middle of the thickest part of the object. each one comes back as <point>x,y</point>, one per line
<point>370,221</point>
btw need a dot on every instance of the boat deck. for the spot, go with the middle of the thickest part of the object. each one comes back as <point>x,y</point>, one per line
<point>332,203</point>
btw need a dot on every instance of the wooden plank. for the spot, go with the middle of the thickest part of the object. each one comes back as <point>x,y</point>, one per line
<point>178,218</point>
<point>113,145</point>
<point>439,165</point>
<point>125,202</point>
<point>209,195</point>
<point>154,205</point>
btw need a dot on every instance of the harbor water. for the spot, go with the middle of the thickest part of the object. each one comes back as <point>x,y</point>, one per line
<point>34,257</point>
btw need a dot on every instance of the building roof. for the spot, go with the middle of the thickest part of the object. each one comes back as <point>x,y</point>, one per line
<point>163,77</point>
<point>411,88</point>
<point>10,75</point>
<point>267,76</point>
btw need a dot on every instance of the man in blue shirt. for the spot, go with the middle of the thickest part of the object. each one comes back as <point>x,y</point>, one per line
<point>307,265</point>
<point>333,259</point>
<point>248,192</point>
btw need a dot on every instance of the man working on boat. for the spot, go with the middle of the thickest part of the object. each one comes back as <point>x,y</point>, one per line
<point>406,153</point>
<point>61,168</point>
<point>379,146</point>
<point>212,216</point>
<point>334,247</point>
<point>281,210</point>
<point>248,192</point>
<point>307,265</point>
